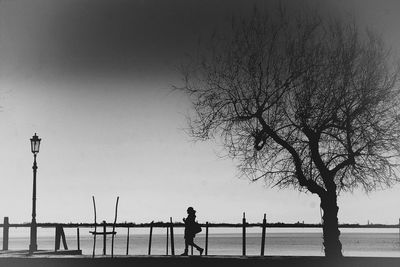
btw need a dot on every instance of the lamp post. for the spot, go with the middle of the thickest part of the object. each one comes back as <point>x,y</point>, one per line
<point>35,144</point>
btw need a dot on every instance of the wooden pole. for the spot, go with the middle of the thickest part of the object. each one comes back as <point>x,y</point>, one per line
<point>264,226</point>
<point>95,227</point>
<point>244,235</point>
<point>172,237</point>
<point>58,236</point>
<point>58,239</point>
<point>150,236</point>
<point>206,247</point>
<point>62,235</point>
<point>78,240</point>
<point>104,238</point>
<point>167,241</point>
<point>113,229</point>
<point>5,233</point>
<point>127,243</point>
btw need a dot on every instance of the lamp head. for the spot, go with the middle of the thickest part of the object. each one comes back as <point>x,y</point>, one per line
<point>35,144</point>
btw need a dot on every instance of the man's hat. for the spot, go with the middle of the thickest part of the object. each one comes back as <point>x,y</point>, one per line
<point>191,210</point>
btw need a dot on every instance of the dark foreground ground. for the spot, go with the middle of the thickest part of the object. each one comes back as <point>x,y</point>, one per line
<point>193,261</point>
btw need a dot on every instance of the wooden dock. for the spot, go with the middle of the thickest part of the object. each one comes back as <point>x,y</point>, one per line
<point>39,253</point>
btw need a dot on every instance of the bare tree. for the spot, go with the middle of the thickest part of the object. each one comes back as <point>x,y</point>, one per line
<point>303,102</point>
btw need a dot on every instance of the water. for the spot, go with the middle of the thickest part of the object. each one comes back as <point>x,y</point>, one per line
<point>290,242</point>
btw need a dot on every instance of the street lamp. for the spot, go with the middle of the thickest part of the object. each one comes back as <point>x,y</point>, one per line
<point>35,144</point>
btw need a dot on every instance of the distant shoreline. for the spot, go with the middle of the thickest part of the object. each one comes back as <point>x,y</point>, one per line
<point>217,225</point>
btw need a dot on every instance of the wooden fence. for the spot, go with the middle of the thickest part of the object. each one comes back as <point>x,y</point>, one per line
<point>170,244</point>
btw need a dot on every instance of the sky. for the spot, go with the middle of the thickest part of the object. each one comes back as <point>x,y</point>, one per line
<point>94,80</point>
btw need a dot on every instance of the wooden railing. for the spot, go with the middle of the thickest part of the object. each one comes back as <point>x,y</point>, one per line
<point>170,245</point>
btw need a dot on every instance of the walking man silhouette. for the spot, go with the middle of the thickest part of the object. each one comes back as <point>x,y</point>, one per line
<point>191,229</point>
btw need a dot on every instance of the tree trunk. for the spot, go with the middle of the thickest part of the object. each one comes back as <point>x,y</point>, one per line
<point>330,226</point>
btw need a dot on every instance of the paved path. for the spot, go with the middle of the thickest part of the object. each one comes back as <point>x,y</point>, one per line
<point>22,259</point>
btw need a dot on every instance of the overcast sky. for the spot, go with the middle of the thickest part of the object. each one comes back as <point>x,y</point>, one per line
<point>93,79</point>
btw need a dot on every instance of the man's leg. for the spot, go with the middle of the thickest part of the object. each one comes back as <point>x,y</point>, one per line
<point>186,248</point>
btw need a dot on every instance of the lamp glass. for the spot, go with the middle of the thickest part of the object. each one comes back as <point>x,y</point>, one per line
<point>35,144</point>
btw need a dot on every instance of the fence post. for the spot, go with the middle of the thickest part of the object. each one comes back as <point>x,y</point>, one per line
<point>206,247</point>
<point>167,240</point>
<point>244,235</point>
<point>104,237</point>
<point>78,239</point>
<point>6,228</point>
<point>150,236</point>
<point>264,226</point>
<point>172,237</point>
<point>57,238</point>
<point>127,242</point>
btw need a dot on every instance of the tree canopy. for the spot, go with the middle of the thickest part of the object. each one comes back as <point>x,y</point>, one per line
<point>300,102</point>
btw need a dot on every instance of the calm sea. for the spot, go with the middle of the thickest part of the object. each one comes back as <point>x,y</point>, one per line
<point>356,242</point>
